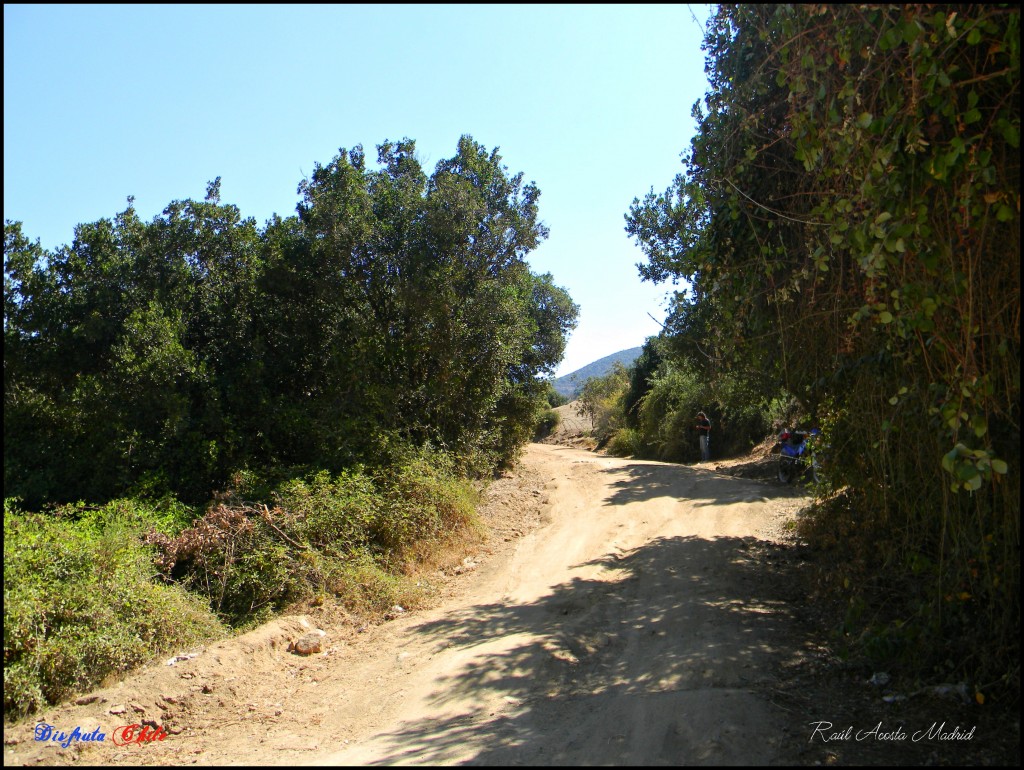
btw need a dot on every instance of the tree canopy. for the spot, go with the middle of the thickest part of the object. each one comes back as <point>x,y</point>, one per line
<point>848,223</point>
<point>394,310</point>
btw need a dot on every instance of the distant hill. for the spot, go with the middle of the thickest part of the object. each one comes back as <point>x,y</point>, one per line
<point>569,384</point>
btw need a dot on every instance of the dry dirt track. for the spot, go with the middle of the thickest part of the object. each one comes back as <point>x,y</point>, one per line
<point>630,628</point>
<point>632,624</point>
<point>622,612</point>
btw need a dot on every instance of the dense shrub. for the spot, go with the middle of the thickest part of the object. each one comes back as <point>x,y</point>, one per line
<point>80,602</point>
<point>547,422</point>
<point>157,358</point>
<point>333,514</point>
<point>82,598</point>
<point>667,412</point>
<point>847,223</point>
<point>627,442</point>
<point>320,534</point>
<point>232,557</point>
<point>424,501</point>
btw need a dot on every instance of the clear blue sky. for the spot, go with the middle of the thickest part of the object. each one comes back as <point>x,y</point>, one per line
<point>590,102</point>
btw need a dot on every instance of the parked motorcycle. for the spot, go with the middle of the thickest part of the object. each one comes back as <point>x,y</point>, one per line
<point>798,452</point>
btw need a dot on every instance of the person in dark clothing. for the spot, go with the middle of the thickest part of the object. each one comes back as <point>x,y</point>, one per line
<point>704,432</point>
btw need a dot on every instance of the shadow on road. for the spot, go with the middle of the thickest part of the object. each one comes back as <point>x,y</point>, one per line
<point>684,650</point>
<point>650,662</point>
<point>647,481</point>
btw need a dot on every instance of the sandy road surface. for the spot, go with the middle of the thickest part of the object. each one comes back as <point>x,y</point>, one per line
<point>633,624</point>
<point>626,630</point>
<point>621,612</point>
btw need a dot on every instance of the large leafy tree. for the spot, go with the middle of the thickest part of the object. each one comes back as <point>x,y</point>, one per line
<point>849,219</point>
<point>395,310</point>
<point>127,361</point>
<point>439,315</point>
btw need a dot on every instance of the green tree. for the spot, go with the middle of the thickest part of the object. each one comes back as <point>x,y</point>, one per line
<point>849,221</point>
<point>450,326</point>
<point>395,311</point>
<point>129,362</point>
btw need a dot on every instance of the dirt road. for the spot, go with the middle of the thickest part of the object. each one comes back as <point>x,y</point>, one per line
<point>621,612</point>
<point>631,624</point>
<point>627,629</point>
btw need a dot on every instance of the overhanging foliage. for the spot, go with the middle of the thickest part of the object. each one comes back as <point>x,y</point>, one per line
<point>849,221</point>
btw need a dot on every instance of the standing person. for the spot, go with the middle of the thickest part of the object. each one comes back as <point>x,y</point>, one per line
<point>704,432</point>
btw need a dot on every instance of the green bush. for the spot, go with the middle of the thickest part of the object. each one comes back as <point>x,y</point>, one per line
<point>251,559</point>
<point>336,514</point>
<point>667,411</point>
<point>626,442</point>
<point>547,422</point>
<point>80,603</point>
<point>424,500</point>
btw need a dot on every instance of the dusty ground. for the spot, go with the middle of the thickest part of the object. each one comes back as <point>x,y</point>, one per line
<point>620,612</point>
<point>573,428</point>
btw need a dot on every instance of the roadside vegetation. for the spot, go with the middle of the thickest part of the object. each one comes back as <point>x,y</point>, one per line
<point>847,228</point>
<point>650,409</point>
<point>206,421</point>
<point>80,602</point>
<point>547,419</point>
<point>254,415</point>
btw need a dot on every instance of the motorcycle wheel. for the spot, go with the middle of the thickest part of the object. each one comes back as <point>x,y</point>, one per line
<point>785,471</point>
